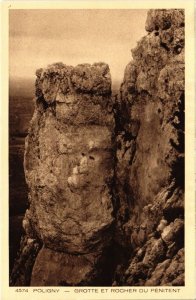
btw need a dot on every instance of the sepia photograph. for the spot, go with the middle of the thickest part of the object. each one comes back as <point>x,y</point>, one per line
<point>97,100</point>
<point>96,157</point>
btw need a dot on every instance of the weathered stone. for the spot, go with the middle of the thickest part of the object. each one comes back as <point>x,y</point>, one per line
<point>174,274</point>
<point>54,268</point>
<point>69,168</point>
<point>150,156</point>
<point>21,272</point>
<point>158,273</point>
<point>155,252</point>
<point>52,83</point>
<point>164,19</point>
<point>92,79</point>
<point>173,232</point>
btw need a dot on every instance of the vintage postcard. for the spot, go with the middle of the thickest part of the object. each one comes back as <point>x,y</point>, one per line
<point>98,150</point>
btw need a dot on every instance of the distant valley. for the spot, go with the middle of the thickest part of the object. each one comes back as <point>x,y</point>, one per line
<point>21,107</point>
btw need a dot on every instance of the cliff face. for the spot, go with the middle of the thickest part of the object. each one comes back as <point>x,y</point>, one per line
<point>150,153</point>
<point>105,177</point>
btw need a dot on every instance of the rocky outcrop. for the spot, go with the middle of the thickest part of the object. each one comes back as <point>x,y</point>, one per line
<point>150,153</point>
<point>69,170</point>
<point>68,159</point>
<point>105,174</point>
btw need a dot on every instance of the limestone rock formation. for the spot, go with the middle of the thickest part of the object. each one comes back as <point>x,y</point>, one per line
<point>150,153</point>
<point>69,166</point>
<point>105,177</point>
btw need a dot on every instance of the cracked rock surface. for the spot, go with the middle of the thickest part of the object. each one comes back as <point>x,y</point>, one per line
<point>150,154</point>
<point>69,167</point>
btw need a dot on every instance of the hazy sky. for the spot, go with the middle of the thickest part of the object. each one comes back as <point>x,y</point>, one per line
<point>40,37</point>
